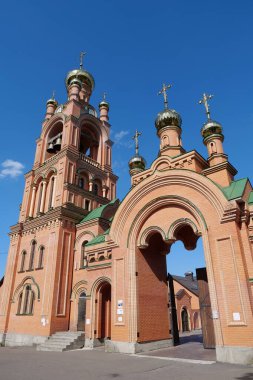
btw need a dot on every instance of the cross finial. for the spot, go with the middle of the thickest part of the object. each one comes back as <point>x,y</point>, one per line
<point>104,96</point>
<point>82,54</point>
<point>204,101</point>
<point>164,92</point>
<point>136,139</point>
<point>53,95</point>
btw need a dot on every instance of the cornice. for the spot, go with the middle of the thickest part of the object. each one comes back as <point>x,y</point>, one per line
<point>231,213</point>
<point>216,168</point>
<point>179,162</point>
<point>67,212</point>
<point>72,118</point>
<point>77,190</point>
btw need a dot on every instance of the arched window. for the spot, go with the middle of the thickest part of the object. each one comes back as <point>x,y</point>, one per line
<point>31,302</point>
<point>41,257</point>
<point>32,254</point>
<point>81,183</point>
<point>22,263</point>
<point>101,258</point>
<point>83,262</point>
<point>20,303</point>
<point>95,188</point>
<point>213,147</point>
<point>50,202</point>
<point>26,301</point>
<point>40,190</point>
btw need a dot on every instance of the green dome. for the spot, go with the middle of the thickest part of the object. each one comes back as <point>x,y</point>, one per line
<point>211,127</point>
<point>82,75</point>
<point>137,162</point>
<point>168,118</point>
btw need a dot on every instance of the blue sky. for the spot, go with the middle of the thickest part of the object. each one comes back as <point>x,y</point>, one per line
<point>132,48</point>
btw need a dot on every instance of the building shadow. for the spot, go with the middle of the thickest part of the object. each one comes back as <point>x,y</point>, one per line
<point>246,376</point>
<point>195,337</point>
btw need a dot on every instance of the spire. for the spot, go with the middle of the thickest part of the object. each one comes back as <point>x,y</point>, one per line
<point>204,101</point>
<point>82,54</point>
<point>164,92</point>
<point>136,139</point>
<point>137,163</point>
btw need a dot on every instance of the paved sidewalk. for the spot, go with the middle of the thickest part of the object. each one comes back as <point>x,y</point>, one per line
<point>191,348</point>
<point>29,364</point>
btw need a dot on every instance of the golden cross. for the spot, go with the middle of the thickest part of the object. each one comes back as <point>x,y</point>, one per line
<point>204,100</point>
<point>164,92</point>
<point>135,138</point>
<point>82,54</point>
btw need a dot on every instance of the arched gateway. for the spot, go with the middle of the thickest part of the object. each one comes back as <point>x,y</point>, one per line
<point>104,263</point>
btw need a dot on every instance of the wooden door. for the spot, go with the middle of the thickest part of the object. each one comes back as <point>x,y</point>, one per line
<point>205,309</point>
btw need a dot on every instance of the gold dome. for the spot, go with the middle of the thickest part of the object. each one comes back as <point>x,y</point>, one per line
<point>210,128</point>
<point>168,118</point>
<point>82,75</point>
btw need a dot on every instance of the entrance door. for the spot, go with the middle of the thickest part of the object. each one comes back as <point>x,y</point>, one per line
<point>205,309</point>
<point>81,312</point>
<point>105,332</point>
<point>185,320</point>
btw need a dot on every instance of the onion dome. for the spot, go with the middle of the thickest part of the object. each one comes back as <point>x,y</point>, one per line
<point>83,77</point>
<point>167,118</point>
<point>52,102</point>
<point>211,128</point>
<point>137,164</point>
<point>104,103</point>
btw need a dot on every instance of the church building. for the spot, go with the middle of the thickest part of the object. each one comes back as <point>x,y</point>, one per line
<point>84,264</point>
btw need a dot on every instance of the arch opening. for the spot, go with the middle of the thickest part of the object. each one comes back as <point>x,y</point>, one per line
<point>81,312</point>
<point>89,142</point>
<point>54,140</point>
<point>103,312</point>
<point>186,234</point>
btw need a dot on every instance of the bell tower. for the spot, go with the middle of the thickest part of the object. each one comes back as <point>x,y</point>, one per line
<point>71,176</point>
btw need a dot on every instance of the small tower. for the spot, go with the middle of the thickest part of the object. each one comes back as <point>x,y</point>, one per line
<point>51,107</point>
<point>220,170</point>
<point>104,109</point>
<point>212,136</point>
<point>168,125</point>
<point>137,164</point>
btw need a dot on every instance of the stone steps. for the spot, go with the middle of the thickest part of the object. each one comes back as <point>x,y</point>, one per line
<point>63,341</point>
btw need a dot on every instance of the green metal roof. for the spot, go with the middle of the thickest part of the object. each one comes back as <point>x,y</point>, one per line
<point>250,200</point>
<point>235,189</point>
<point>98,239</point>
<point>97,212</point>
